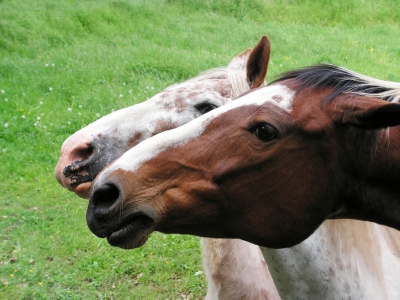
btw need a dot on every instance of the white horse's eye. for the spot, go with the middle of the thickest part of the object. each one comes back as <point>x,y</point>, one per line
<point>205,107</point>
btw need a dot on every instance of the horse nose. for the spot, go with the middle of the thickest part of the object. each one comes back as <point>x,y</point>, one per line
<point>75,152</point>
<point>104,199</point>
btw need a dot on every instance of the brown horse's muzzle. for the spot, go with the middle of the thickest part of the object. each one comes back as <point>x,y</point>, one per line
<point>106,217</point>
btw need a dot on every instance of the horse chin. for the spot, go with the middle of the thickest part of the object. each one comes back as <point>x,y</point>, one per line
<point>82,190</point>
<point>133,234</point>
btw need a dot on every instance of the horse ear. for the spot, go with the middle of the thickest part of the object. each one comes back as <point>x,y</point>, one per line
<point>368,112</point>
<point>238,63</point>
<point>257,64</point>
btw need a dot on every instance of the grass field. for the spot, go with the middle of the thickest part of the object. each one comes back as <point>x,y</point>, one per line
<point>64,64</point>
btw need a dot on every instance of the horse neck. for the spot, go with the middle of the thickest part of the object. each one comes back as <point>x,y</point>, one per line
<point>375,191</point>
<point>236,269</point>
<point>343,257</point>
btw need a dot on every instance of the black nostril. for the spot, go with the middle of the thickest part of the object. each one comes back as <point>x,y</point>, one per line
<point>103,198</point>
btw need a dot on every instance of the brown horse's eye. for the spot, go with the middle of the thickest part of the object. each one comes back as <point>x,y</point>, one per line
<point>205,107</point>
<point>264,132</point>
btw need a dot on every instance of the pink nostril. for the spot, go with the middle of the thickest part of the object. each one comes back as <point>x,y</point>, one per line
<point>81,154</point>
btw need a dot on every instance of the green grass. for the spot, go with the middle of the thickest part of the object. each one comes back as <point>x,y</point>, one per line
<point>64,64</point>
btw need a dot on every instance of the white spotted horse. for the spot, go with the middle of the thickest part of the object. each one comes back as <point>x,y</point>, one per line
<point>235,269</point>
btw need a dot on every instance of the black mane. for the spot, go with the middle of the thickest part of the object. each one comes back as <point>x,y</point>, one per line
<point>340,81</point>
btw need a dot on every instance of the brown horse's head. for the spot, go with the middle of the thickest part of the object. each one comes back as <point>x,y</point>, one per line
<point>268,168</point>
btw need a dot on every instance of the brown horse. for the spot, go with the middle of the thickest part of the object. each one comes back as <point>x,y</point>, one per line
<point>338,259</point>
<point>230,265</point>
<point>268,168</point>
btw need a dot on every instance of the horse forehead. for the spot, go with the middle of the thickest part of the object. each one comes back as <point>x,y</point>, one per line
<point>278,95</point>
<point>219,85</point>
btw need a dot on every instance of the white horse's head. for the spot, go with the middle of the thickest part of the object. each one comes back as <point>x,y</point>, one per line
<point>85,153</point>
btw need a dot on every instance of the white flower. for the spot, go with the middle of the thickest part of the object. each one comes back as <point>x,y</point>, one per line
<point>69,122</point>
<point>53,65</point>
<point>41,102</point>
<point>120,95</point>
<point>23,116</point>
<point>38,118</point>
<point>79,113</point>
<point>124,83</point>
<point>198,273</point>
<point>6,99</point>
<point>6,125</point>
<point>130,91</point>
<point>80,106</point>
<point>97,115</point>
<point>46,65</point>
<point>35,124</point>
<point>50,88</point>
<point>69,109</point>
<point>42,114</point>
<point>2,91</point>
